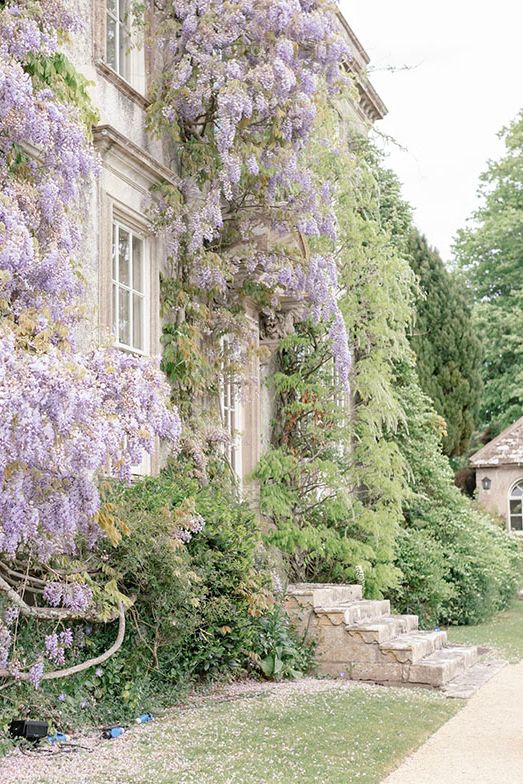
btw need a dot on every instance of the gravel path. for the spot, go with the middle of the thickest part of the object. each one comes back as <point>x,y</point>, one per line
<point>483,744</point>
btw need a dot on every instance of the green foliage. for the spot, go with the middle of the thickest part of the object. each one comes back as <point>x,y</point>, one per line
<point>196,604</point>
<point>489,253</point>
<point>447,540</point>
<point>423,589</point>
<point>201,610</point>
<point>447,348</point>
<point>282,654</point>
<point>69,85</point>
<point>334,481</point>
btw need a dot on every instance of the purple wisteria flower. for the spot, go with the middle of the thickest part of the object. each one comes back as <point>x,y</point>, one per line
<point>256,77</point>
<point>65,417</point>
<point>35,674</point>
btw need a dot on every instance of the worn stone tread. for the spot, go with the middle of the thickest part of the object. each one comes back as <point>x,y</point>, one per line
<point>467,683</point>
<point>414,646</point>
<point>443,666</point>
<point>383,628</point>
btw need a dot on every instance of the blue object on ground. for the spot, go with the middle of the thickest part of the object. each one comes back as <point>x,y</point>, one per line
<point>114,732</point>
<point>145,717</point>
<point>58,737</point>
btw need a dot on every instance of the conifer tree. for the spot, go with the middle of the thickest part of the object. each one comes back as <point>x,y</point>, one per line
<point>445,343</point>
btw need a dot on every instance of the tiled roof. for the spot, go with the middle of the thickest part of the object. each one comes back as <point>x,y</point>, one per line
<point>505,449</point>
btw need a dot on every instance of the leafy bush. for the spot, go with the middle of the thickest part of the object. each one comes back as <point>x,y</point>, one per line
<point>447,541</point>
<point>282,654</point>
<point>201,609</point>
<point>423,588</point>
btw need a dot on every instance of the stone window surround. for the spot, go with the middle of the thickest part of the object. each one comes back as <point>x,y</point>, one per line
<point>251,404</point>
<point>124,187</point>
<point>231,411</point>
<point>142,60</point>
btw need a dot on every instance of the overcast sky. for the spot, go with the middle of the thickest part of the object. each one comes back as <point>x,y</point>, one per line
<point>464,84</point>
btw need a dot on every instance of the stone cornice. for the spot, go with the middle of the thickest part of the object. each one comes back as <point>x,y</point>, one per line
<point>108,139</point>
<point>371,105</point>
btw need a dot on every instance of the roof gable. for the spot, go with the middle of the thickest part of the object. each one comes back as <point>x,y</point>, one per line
<point>505,449</point>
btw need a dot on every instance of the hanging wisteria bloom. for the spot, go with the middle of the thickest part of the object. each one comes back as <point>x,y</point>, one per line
<point>239,96</point>
<point>66,417</point>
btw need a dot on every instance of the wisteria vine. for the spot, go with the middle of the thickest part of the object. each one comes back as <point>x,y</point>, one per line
<point>238,97</point>
<point>65,416</point>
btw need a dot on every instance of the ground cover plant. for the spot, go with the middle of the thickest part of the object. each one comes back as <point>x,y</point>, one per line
<point>299,733</point>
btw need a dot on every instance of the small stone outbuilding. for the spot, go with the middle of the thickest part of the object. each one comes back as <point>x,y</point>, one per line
<point>499,476</point>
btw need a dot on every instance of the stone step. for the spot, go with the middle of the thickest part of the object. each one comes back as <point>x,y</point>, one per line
<point>467,683</point>
<point>354,612</point>
<point>412,647</point>
<point>324,594</point>
<point>442,666</point>
<point>367,609</point>
<point>383,628</point>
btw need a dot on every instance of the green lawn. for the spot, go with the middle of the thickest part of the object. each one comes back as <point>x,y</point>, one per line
<point>503,634</point>
<point>293,734</point>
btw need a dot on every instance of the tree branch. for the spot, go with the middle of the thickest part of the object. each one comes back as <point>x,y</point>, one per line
<point>68,671</point>
<point>47,613</point>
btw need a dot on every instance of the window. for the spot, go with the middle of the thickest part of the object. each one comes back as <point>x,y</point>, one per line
<point>118,37</point>
<point>516,507</point>
<point>231,410</point>
<point>129,289</point>
<point>129,303</point>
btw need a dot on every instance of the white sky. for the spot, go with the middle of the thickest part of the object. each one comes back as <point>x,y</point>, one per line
<point>465,84</point>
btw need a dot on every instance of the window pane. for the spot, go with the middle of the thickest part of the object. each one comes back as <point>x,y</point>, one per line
<point>137,264</point>
<point>124,11</point>
<point>112,6</point>
<point>114,252</point>
<point>517,492</point>
<point>138,321</point>
<point>124,335</point>
<point>124,53</point>
<point>115,310</point>
<point>516,508</point>
<point>124,271</point>
<point>110,43</point>
<point>516,523</point>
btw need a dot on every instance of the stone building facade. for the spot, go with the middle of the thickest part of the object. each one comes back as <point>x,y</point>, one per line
<point>499,476</point>
<point>122,259</point>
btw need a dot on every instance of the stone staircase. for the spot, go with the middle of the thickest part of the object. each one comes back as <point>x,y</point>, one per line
<point>360,639</point>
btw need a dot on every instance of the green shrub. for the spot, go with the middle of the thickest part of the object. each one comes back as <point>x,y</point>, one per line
<point>281,653</point>
<point>447,540</point>
<point>200,609</point>
<point>423,589</point>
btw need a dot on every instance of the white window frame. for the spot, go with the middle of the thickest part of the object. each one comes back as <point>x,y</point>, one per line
<point>231,410</point>
<point>122,24</point>
<point>129,61</point>
<point>119,224</point>
<point>144,468</point>
<point>510,515</point>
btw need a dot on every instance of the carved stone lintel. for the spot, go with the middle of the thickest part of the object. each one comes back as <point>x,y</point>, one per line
<point>278,323</point>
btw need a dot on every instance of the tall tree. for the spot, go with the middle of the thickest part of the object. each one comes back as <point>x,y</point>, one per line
<point>490,254</point>
<point>447,348</point>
